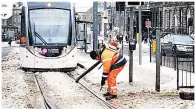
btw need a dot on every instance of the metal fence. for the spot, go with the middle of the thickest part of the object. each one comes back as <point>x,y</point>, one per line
<point>170,60</point>
<point>182,61</point>
<point>185,68</point>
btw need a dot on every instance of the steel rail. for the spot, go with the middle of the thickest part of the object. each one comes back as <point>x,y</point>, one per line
<point>47,106</point>
<point>109,105</point>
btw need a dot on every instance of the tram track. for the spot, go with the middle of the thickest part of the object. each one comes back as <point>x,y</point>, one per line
<point>109,105</point>
<point>47,105</point>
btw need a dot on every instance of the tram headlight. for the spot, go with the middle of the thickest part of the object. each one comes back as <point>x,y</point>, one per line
<point>64,49</point>
<point>38,50</point>
<point>49,4</point>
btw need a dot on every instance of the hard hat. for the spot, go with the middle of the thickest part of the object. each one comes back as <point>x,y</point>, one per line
<point>113,45</point>
<point>93,54</point>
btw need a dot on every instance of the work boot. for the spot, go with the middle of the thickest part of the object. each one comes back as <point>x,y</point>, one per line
<point>111,97</point>
<point>106,94</point>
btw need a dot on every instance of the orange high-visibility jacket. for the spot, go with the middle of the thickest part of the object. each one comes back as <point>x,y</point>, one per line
<point>111,60</point>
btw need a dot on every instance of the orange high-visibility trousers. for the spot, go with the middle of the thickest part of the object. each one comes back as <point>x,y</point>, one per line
<point>111,80</point>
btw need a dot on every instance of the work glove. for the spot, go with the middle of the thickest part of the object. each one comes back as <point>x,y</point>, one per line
<point>104,77</point>
<point>103,82</point>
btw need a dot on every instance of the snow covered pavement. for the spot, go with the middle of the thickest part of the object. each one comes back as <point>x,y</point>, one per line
<point>140,94</point>
<point>20,91</point>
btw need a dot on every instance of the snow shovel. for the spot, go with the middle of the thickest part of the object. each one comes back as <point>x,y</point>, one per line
<point>82,66</point>
<point>87,71</point>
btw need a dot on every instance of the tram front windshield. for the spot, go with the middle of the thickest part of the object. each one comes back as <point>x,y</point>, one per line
<point>50,25</point>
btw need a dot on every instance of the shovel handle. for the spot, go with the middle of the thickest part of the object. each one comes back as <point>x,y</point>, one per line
<point>87,71</point>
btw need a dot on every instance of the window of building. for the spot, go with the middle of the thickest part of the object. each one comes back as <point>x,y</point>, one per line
<point>171,16</point>
<point>165,20</point>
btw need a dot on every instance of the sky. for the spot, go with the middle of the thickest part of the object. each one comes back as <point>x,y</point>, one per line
<point>80,5</point>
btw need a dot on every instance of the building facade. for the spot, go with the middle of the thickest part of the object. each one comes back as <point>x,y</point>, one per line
<point>173,16</point>
<point>11,21</point>
<point>16,18</point>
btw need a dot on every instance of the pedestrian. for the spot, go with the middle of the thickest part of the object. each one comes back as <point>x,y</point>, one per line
<point>120,39</point>
<point>113,63</point>
<point>10,41</point>
<point>117,37</point>
<point>126,38</point>
<point>145,37</point>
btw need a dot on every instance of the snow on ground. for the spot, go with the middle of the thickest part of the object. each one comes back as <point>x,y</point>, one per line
<point>61,91</point>
<point>19,90</point>
<point>141,73</point>
<point>143,87</point>
<point>13,44</point>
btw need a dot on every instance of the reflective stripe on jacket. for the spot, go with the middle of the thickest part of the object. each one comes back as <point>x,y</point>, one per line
<point>112,60</point>
<point>121,61</point>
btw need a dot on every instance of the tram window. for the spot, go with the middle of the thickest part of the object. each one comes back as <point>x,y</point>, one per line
<point>51,24</point>
<point>23,29</point>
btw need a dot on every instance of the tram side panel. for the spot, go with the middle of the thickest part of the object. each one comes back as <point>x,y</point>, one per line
<point>50,63</point>
<point>26,58</point>
<point>67,60</point>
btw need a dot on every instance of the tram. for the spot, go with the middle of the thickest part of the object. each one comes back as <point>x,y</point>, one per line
<point>47,36</point>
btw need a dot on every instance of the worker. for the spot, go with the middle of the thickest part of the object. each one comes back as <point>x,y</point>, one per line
<point>113,63</point>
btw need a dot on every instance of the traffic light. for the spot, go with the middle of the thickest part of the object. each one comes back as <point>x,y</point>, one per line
<point>120,6</point>
<point>135,3</point>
